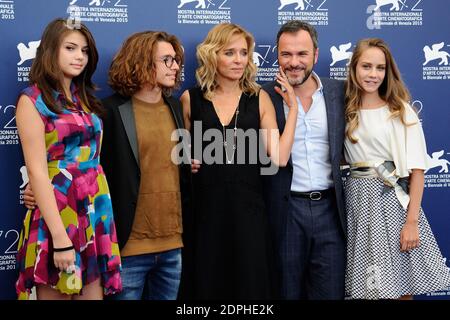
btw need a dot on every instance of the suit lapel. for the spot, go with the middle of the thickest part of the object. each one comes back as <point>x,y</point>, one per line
<point>279,110</point>
<point>175,114</point>
<point>127,116</point>
<point>278,104</point>
<point>331,117</point>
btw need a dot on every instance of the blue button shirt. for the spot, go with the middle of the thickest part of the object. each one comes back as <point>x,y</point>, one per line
<point>311,149</point>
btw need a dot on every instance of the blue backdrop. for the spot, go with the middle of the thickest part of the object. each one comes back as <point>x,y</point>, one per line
<point>417,31</point>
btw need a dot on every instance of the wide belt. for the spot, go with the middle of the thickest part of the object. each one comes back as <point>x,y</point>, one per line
<point>385,170</point>
<point>313,195</point>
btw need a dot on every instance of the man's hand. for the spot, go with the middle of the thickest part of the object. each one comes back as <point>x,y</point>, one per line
<point>28,197</point>
<point>286,91</point>
<point>195,165</point>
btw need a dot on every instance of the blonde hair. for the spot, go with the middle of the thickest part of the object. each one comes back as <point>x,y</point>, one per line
<point>207,51</point>
<point>392,90</point>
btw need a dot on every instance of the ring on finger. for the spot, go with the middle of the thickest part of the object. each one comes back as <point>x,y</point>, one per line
<point>70,269</point>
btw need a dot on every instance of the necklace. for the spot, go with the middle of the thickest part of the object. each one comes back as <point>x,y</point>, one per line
<point>225,143</point>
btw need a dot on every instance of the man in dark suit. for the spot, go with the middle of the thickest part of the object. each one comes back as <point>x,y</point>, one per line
<point>149,192</point>
<point>305,199</point>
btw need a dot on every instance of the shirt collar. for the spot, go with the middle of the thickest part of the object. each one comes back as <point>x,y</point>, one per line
<point>320,86</point>
<point>59,96</point>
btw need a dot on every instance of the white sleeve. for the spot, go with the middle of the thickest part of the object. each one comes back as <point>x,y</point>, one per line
<point>416,148</point>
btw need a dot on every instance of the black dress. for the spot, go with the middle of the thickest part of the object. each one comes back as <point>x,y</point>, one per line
<point>230,238</point>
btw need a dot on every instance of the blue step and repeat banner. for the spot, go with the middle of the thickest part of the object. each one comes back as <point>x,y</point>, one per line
<point>417,31</point>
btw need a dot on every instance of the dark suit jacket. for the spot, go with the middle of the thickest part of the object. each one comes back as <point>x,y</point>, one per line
<point>277,187</point>
<point>120,161</point>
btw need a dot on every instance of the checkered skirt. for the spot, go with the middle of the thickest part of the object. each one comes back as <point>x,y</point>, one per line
<point>376,269</point>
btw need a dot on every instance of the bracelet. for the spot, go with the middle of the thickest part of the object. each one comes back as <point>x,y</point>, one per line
<point>63,249</point>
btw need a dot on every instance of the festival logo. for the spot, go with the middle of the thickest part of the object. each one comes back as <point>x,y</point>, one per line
<point>394,13</point>
<point>437,174</point>
<point>441,293</point>
<point>27,52</point>
<point>314,12</point>
<point>340,55</point>
<point>203,12</point>
<point>102,11</point>
<point>436,161</point>
<point>436,63</point>
<point>265,59</point>
<point>8,252</point>
<point>200,3</point>
<point>24,174</point>
<point>24,177</point>
<point>8,129</point>
<point>7,11</point>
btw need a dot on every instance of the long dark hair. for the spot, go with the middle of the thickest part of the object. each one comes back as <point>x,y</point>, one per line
<point>47,75</point>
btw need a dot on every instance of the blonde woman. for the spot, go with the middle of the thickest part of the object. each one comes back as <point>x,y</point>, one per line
<point>230,247</point>
<point>392,252</point>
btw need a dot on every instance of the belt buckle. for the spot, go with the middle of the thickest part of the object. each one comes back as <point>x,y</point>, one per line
<point>315,195</point>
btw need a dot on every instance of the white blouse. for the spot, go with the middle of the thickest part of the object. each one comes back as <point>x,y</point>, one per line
<point>383,138</point>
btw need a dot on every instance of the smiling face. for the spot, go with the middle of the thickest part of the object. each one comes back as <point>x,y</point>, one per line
<point>233,59</point>
<point>297,56</point>
<point>371,70</point>
<point>73,54</point>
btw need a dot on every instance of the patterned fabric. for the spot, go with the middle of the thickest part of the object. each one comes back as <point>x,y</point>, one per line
<point>376,269</point>
<point>73,141</point>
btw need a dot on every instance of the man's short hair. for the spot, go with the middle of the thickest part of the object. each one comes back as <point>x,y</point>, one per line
<point>294,26</point>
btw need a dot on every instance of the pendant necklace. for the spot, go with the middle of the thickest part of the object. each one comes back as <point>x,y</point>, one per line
<point>225,143</point>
